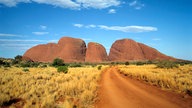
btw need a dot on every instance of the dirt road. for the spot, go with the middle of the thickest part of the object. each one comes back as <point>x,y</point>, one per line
<point>118,91</point>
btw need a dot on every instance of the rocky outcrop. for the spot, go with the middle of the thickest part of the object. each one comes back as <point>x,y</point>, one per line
<point>41,53</point>
<point>152,54</point>
<point>124,50</point>
<point>95,53</point>
<point>74,50</point>
<point>128,50</point>
<point>69,49</point>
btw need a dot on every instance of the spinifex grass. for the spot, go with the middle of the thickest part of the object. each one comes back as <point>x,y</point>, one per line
<point>45,87</point>
<point>177,79</point>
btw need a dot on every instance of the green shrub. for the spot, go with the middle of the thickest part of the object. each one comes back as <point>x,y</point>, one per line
<point>7,64</point>
<point>149,62</point>
<point>126,63</point>
<point>58,62</point>
<point>25,64</point>
<point>167,64</point>
<point>63,69</point>
<point>18,57</point>
<point>140,63</point>
<point>34,64</point>
<point>112,63</point>
<point>184,62</point>
<point>93,65</point>
<point>25,69</point>
<point>15,62</point>
<point>43,66</point>
<point>2,62</point>
<point>99,67</point>
<point>75,65</point>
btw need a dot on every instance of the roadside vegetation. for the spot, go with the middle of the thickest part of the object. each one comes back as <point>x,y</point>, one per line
<point>58,84</point>
<point>52,85</point>
<point>167,75</point>
<point>47,88</point>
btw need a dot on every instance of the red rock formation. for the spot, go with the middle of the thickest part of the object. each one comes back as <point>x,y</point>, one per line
<point>41,53</point>
<point>127,49</point>
<point>68,49</point>
<point>74,50</point>
<point>95,53</point>
<point>152,54</point>
<point>124,50</point>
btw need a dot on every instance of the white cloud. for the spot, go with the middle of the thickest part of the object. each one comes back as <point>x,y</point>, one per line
<point>86,26</point>
<point>78,25</point>
<point>136,5</point>
<point>98,4</point>
<point>40,33</point>
<point>10,35</point>
<point>111,11</point>
<point>20,40</point>
<point>86,39</point>
<point>22,44</point>
<point>60,3</point>
<point>24,41</point>
<point>91,26</point>
<point>133,29</point>
<point>11,3</point>
<point>73,4</point>
<point>43,27</point>
<point>133,3</point>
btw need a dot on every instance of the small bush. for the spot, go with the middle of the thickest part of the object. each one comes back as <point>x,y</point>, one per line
<point>93,65</point>
<point>17,60</point>
<point>18,57</point>
<point>63,69</point>
<point>99,67</point>
<point>167,64</point>
<point>7,64</point>
<point>58,62</point>
<point>43,66</point>
<point>75,65</point>
<point>25,69</point>
<point>34,64</point>
<point>140,63</point>
<point>4,63</point>
<point>149,62</point>
<point>126,63</point>
<point>112,63</point>
<point>182,63</point>
<point>25,64</point>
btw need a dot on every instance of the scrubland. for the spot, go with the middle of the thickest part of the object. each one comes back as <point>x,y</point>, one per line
<point>176,79</point>
<point>46,88</point>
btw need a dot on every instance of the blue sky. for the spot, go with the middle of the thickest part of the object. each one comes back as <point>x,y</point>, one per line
<point>162,24</point>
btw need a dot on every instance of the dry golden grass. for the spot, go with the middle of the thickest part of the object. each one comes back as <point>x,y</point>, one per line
<point>177,79</point>
<point>46,88</point>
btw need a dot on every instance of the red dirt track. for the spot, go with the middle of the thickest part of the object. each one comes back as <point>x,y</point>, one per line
<point>118,91</point>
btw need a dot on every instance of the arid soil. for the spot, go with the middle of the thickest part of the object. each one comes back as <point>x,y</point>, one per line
<point>119,91</point>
